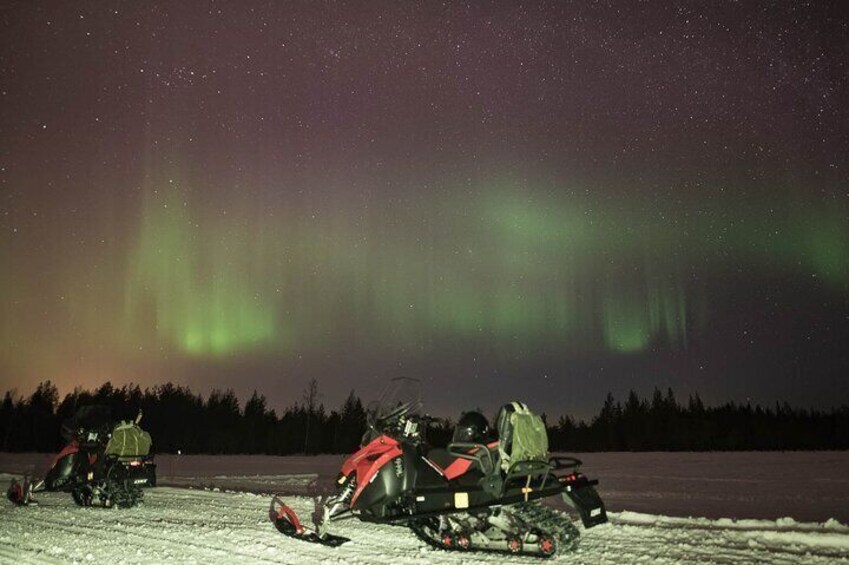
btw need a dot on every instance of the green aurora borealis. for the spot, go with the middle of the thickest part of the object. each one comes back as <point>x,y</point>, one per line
<point>541,201</point>
<point>497,265</point>
<point>504,264</point>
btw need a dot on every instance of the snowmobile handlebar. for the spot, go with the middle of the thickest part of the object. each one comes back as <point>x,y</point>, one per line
<point>400,423</point>
<point>390,419</point>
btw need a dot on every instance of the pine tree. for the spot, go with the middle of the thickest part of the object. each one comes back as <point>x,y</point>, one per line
<point>310,400</point>
<point>7,414</point>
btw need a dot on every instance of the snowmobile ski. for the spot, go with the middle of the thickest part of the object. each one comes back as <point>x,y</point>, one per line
<point>288,524</point>
<point>20,494</point>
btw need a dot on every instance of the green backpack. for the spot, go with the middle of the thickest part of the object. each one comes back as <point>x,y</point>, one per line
<point>529,438</point>
<point>128,440</point>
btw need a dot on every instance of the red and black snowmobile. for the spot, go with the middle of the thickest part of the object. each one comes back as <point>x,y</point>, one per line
<point>477,494</point>
<point>104,462</point>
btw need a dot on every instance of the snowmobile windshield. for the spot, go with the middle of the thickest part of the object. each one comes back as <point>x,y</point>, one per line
<point>400,398</point>
<point>87,418</point>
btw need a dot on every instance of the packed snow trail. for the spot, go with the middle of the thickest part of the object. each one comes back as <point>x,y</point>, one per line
<point>177,525</point>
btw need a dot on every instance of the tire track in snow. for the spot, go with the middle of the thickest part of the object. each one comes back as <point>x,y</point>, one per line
<point>200,526</point>
<point>712,543</point>
<point>156,543</point>
<point>106,525</point>
<point>632,544</point>
<point>11,552</point>
<point>791,537</point>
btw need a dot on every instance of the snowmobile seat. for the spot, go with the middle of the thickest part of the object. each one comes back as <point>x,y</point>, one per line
<point>464,462</point>
<point>453,467</point>
<point>477,457</point>
<point>440,457</point>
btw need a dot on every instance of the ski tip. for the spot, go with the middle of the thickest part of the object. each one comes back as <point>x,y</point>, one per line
<point>333,541</point>
<point>288,524</point>
<point>17,494</point>
<point>284,518</point>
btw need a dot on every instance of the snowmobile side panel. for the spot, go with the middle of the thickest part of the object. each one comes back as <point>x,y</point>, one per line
<point>408,467</point>
<point>368,462</point>
<point>462,498</point>
<point>360,461</point>
<point>64,470</point>
<point>72,447</point>
<point>428,473</point>
<point>385,485</point>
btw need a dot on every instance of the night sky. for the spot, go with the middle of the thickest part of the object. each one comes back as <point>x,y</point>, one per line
<point>548,201</point>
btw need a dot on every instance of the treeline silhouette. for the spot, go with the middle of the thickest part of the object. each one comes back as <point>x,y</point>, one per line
<point>182,421</point>
<point>663,424</point>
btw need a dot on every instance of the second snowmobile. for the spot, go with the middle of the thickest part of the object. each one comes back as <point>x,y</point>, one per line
<point>478,494</point>
<point>104,462</point>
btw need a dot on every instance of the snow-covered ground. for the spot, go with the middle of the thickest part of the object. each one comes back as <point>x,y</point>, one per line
<point>775,508</point>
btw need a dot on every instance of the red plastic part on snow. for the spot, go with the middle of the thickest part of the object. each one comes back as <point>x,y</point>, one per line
<point>288,524</point>
<point>15,494</point>
<point>20,494</point>
<point>286,516</point>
